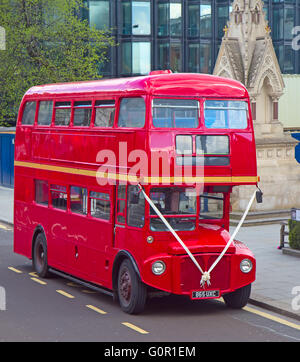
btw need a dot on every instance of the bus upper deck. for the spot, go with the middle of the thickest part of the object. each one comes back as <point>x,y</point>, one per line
<point>193,120</point>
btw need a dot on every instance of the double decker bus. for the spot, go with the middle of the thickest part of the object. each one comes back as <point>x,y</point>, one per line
<point>124,185</point>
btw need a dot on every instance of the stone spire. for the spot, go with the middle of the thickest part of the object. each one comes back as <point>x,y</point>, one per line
<point>247,55</point>
<point>247,52</point>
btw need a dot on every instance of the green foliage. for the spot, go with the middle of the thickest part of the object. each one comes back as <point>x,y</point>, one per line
<point>46,42</point>
<point>294,234</point>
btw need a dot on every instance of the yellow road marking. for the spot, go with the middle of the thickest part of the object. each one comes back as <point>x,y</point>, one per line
<point>33,274</point>
<point>72,284</point>
<point>38,281</point>
<point>135,328</point>
<point>272,317</point>
<point>15,270</point>
<point>3,227</point>
<point>268,316</point>
<point>98,310</point>
<point>87,291</point>
<point>65,294</point>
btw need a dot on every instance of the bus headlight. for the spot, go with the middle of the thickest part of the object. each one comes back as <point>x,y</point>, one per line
<point>158,267</point>
<point>246,265</point>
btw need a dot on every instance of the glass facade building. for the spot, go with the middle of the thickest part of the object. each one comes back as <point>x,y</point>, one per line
<point>182,35</point>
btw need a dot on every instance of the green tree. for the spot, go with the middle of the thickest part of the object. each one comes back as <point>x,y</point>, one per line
<point>46,42</point>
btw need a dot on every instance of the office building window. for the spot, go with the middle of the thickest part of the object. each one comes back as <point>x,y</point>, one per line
<point>175,19</point>
<point>136,58</point>
<point>200,20</point>
<point>223,16</point>
<point>199,58</point>
<point>289,23</point>
<point>169,19</point>
<point>277,29</point>
<point>170,56</point>
<point>97,13</point>
<point>136,18</point>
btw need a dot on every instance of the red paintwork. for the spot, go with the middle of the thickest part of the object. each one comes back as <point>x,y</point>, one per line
<point>94,239</point>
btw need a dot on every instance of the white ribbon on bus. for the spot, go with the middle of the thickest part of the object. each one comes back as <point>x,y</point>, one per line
<point>205,274</point>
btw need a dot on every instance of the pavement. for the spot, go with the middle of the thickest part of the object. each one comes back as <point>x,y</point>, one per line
<point>277,285</point>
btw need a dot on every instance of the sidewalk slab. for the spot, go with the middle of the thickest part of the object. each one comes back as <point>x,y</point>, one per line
<point>277,274</point>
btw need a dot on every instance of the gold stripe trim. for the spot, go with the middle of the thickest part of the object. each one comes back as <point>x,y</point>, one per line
<point>131,178</point>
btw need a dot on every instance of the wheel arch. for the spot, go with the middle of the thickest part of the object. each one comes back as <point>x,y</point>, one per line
<point>122,255</point>
<point>39,229</point>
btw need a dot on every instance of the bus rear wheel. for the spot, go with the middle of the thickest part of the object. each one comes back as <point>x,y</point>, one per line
<point>239,298</point>
<point>39,257</point>
<point>132,292</point>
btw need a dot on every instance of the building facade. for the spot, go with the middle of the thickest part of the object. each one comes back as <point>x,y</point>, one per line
<point>183,35</point>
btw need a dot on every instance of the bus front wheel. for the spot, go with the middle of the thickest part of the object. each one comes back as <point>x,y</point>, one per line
<point>132,292</point>
<point>39,257</point>
<point>239,298</point>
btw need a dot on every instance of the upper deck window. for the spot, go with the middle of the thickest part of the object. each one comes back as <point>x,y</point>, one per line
<point>105,113</point>
<point>225,114</point>
<point>45,113</point>
<point>82,113</point>
<point>175,113</point>
<point>132,113</point>
<point>62,113</point>
<point>29,113</point>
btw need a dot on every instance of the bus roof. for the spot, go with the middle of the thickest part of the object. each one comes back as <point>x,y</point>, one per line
<point>172,84</point>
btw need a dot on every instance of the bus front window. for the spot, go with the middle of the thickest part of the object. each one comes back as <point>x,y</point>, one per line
<point>178,205</point>
<point>211,206</point>
<point>225,114</point>
<point>175,113</point>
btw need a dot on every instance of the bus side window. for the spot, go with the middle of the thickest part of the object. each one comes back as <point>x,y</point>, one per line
<point>82,113</point>
<point>41,192</point>
<point>59,196</point>
<point>62,113</point>
<point>105,113</point>
<point>29,113</point>
<point>100,205</point>
<point>135,207</point>
<point>132,113</point>
<point>45,113</point>
<point>78,200</point>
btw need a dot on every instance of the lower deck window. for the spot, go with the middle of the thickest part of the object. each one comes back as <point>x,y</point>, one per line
<point>78,200</point>
<point>59,196</point>
<point>41,192</point>
<point>100,205</point>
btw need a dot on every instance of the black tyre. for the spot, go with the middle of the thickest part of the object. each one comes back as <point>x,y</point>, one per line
<point>239,298</point>
<point>132,293</point>
<point>39,256</point>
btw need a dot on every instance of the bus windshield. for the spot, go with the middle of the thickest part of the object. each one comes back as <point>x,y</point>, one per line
<point>178,205</point>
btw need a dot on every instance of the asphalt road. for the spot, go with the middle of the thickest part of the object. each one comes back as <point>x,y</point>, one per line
<point>55,309</point>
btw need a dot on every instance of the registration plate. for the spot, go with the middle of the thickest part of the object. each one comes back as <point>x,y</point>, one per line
<point>205,294</point>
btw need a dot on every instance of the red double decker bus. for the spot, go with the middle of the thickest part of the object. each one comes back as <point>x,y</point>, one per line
<point>125,185</point>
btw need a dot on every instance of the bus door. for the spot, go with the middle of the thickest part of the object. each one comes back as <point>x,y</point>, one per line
<point>129,218</point>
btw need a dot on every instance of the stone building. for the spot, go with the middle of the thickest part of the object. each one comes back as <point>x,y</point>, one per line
<point>247,55</point>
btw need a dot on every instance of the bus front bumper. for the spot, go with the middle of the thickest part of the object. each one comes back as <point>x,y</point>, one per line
<point>181,276</point>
